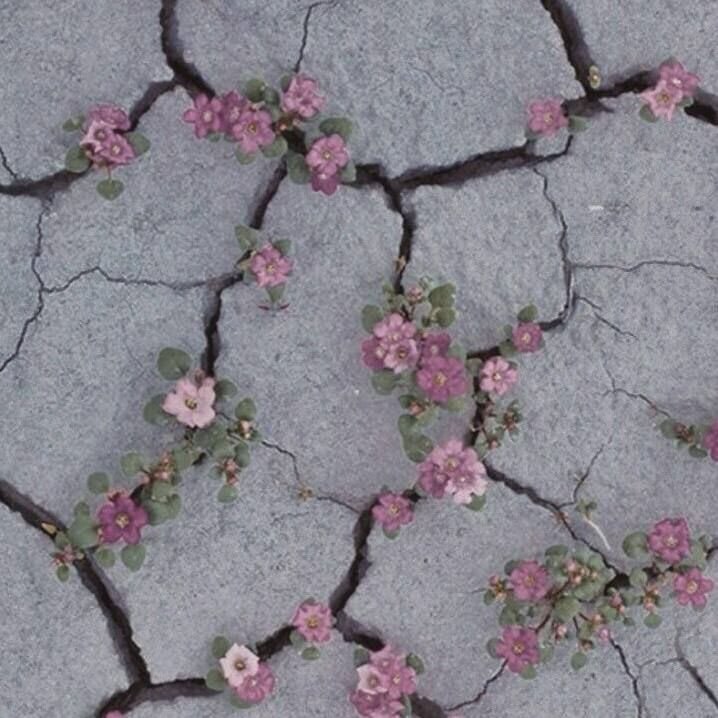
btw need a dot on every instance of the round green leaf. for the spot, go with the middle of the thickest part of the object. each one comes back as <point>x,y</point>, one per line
<point>63,573</point>
<point>348,173</point>
<point>278,148</point>
<point>140,144</point>
<point>416,663</point>
<point>110,188</point>
<point>246,410</point>
<point>98,483</point>
<point>133,556</point>
<point>566,608</point>
<point>653,620</point>
<point>528,673</point>
<point>578,660</point>
<point>214,680</point>
<point>341,126</point>
<point>442,296</point>
<point>73,124</point>
<point>476,504</point>
<point>81,509</point>
<point>445,317</point>
<point>577,124</point>
<point>254,89</point>
<point>173,363</point>
<point>220,646</point>
<point>528,314</point>
<point>245,159</point>
<point>76,160</point>
<point>491,647</point>
<point>283,246</point>
<point>361,656</point>
<point>227,494</point>
<point>131,464</point>
<point>635,545</point>
<point>105,557</point>
<point>646,114</point>
<point>153,413</point>
<point>384,381</point>
<point>311,653</point>
<point>297,168</point>
<point>371,315</point>
<point>224,389</point>
<point>82,532</point>
<point>297,640</point>
<point>246,236</point>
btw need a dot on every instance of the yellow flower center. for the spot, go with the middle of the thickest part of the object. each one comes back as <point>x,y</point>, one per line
<point>548,118</point>
<point>439,378</point>
<point>671,541</point>
<point>691,587</point>
<point>327,155</point>
<point>239,664</point>
<point>190,402</point>
<point>122,520</point>
<point>393,509</point>
<point>207,115</point>
<point>529,581</point>
<point>664,98</point>
<point>271,268</point>
<point>518,648</point>
<point>496,376</point>
<point>252,128</point>
<point>313,622</point>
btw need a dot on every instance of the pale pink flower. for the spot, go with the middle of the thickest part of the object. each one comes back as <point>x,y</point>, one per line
<point>497,376</point>
<point>468,482</point>
<point>110,115</point>
<point>257,686</point>
<point>519,646</point>
<point>206,115</point>
<point>604,635</point>
<point>375,705</point>
<point>402,680</point>
<point>238,663</point>
<point>392,511</point>
<point>302,97</point>
<point>675,75</point>
<point>373,353</point>
<point>526,337</point>
<point>442,378</point>
<point>191,404</point>
<point>270,266</point>
<point>96,133</point>
<point>448,463</point>
<point>253,130</point>
<point>313,622</point>
<point>233,105</point>
<point>710,441</point>
<point>325,183</point>
<point>434,344</point>
<point>692,587</point>
<point>401,356</point>
<point>116,150</point>
<point>546,117</point>
<point>372,680</point>
<point>386,659</point>
<point>530,581</point>
<point>670,540</point>
<point>328,155</point>
<point>662,99</point>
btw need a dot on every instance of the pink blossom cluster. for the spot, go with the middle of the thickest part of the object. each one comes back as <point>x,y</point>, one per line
<point>326,158</point>
<point>453,469</point>
<point>675,88</point>
<point>103,139</point>
<point>546,117</point>
<point>386,681</point>
<point>270,267</point>
<point>313,622</point>
<point>392,511</point>
<point>250,680</point>
<point>191,402</point>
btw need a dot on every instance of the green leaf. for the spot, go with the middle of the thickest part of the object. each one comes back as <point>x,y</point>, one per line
<point>445,317</point>
<point>246,236</point>
<point>638,578</point>
<point>685,102</point>
<point>227,494</point>
<point>348,173</point>
<point>153,413</point>
<point>566,608</point>
<point>507,348</point>
<point>577,124</point>
<point>491,647</point>
<point>184,457</point>
<point>245,410</point>
<point>220,646</point>
<point>477,503</point>
<point>443,296</point>
<point>528,673</point>
<point>81,509</point>
<point>311,653</point>
<point>337,126</point>
<point>406,712</point>
<point>646,114</point>
<point>270,96</point>
<point>652,620</point>
<point>384,381</point>
<point>278,148</point>
<point>696,452</point>
<point>558,551</point>
<point>140,144</point>
<point>578,660</point>
<point>214,680</point>
<point>635,545</point>
<point>371,315</point>
<point>285,81</point>
<point>61,541</point>
<point>531,135</point>
<point>131,464</point>
<point>110,188</point>
<point>133,556</point>
<point>173,363</point>
<point>276,293</point>
<point>254,89</point>
<point>528,314</point>
<point>545,652</point>
<point>668,428</point>
<point>174,505</point>
<point>224,389</point>
<point>242,455</point>
<point>82,532</point>
<point>416,663</point>
<point>297,640</point>
<point>390,534</point>
<point>105,556</point>
<point>63,573</point>
<point>73,124</point>
<point>297,168</point>
<point>245,159</point>
<point>76,160</point>
<point>417,447</point>
<point>407,424</point>
<point>98,483</point>
<point>283,246</point>
<point>361,656</point>
<point>162,490</point>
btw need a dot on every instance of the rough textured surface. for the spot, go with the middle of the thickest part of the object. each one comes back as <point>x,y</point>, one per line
<point>237,570</point>
<point>65,59</point>
<point>40,612</point>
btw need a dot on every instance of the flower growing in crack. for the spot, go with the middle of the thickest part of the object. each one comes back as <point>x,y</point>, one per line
<point>546,117</point>
<point>270,266</point>
<point>442,378</point>
<point>302,97</point>
<point>205,115</point>
<point>519,647</point>
<point>662,99</point>
<point>710,441</point>
<point>392,511</point>
<point>676,76</point>
<point>497,376</point>
<point>313,622</point>
<point>96,134</point>
<point>372,680</point>
<point>111,116</point>
<point>233,105</point>
<point>257,686</point>
<point>191,402</point>
<point>434,344</point>
<point>115,150</point>
<point>396,343</point>
<point>692,587</point>
<point>454,469</point>
<point>325,183</point>
<point>373,353</point>
<point>253,130</point>
<point>238,664</point>
<point>530,581</point>
<point>670,540</point>
<point>527,337</point>
<point>121,518</point>
<point>327,155</point>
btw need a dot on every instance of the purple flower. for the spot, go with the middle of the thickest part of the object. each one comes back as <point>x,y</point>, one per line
<point>373,353</point>
<point>710,441</point>
<point>255,688</point>
<point>468,481</point>
<point>313,622</point>
<point>111,115</point>
<point>121,518</point>
<point>253,130</point>
<point>527,337</point>
<point>662,99</point>
<point>372,680</point>
<point>206,115</point>
<point>434,344</point>
<point>327,155</point>
<point>452,468</point>
<point>325,183</point>
<point>401,355</point>
<point>96,133</point>
<point>302,98</point>
<point>402,680</point>
<point>270,267</point>
<point>519,646</point>
<point>530,581</point>
<point>675,75</point>
<point>396,340</point>
<point>546,117</point>
<point>497,376</point>
<point>116,150</point>
<point>392,511</point>
<point>375,705</point>
<point>233,105</point>
<point>692,587</point>
<point>442,378</point>
<point>670,540</point>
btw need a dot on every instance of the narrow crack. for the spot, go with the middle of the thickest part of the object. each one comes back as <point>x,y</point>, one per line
<point>6,165</point>
<point>648,263</point>
<point>615,389</point>
<point>305,30</point>
<point>640,705</point>
<point>600,318</point>
<point>693,672</point>
<point>484,690</point>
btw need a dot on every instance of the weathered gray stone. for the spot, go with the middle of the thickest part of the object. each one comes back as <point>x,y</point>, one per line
<point>75,393</point>
<point>424,590</point>
<point>175,220</point>
<point>213,707</point>
<point>632,192</point>
<point>238,570</point>
<point>18,300</point>
<point>60,60</point>
<point>498,241</point>
<point>625,37</point>
<point>304,363</point>
<point>44,620</point>
<point>669,692</point>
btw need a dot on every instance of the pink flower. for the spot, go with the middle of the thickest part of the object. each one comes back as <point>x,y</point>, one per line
<point>253,130</point>
<point>191,404</point>
<point>675,75</point>
<point>519,646</point>
<point>114,714</point>
<point>206,115</point>
<point>270,266</point>
<point>238,664</point>
<point>393,329</point>
<point>326,183</point>
<point>255,688</point>
<point>662,99</point>
<point>96,133</point>
<point>603,634</point>
<point>313,622</point>
<point>392,511</point>
<point>468,481</point>
<point>447,463</point>
<point>670,540</point>
<point>396,339</point>
<point>442,378</point>
<point>546,117</point>
<point>530,581</point>
<point>233,105</point>
<point>110,115</point>
<point>328,155</point>
<point>372,680</point>
<point>402,680</point>
<point>116,150</point>
<point>386,659</point>
<point>497,376</point>
<point>527,337</point>
<point>302,98</point>
<point>710,441</point>
<point>375,705</point>
<point>434,344</point>
<point>373,353</point>
<point>692,587</point>
<point>402,355</point>
<point>121,518</point>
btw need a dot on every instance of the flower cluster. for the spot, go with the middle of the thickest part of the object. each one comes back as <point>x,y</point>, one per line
<point>548,116</point>
<point>392,511</point>
<point>267,266</point>
<point>700,439</point>
<point>106,144</point>
<point>154,500</point>
<point>675,89</point>
<point>387,680</point>
<point>278,123</point>
<point>312,623</point>
<point>250,681</point>
<point>575,597</point>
